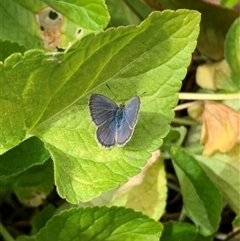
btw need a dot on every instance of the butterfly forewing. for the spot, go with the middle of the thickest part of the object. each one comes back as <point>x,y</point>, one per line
<point>101,109</point>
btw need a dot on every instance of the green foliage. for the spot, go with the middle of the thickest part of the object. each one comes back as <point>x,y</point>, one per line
<point>47,136</point>
<point>223,170</point>
<point>202,200</point>
<point>101,223</point>
<point>178,231</point>
<point>41,218</point>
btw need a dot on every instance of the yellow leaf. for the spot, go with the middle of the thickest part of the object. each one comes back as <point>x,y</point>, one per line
<point>214,76</point>
<point>221,127</point>
<point>146,192</point>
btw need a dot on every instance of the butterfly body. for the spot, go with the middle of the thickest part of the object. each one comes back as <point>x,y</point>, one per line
<point>115,124</point>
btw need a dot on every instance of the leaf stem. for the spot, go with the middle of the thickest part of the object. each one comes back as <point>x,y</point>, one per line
<point>203,96</point>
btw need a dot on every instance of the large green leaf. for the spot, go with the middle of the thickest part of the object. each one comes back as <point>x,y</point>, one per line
<point>201,198</point>
<point>27,22</point>
<point>101,223</point>
<point>46,95</point>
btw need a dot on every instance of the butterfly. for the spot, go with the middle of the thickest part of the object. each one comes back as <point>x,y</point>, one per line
<point>115,124</point>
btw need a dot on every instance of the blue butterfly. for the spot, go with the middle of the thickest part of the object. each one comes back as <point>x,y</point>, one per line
<point>115,124</point>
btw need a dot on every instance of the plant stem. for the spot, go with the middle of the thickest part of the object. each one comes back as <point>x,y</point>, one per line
<point>6,235</point>
<point>182,121</point>
<point>201,96</point>
<point>187,105</point>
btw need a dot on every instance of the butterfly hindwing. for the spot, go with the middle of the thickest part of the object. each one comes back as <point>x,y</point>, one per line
<point>129,120</point>
<point>106,133</point>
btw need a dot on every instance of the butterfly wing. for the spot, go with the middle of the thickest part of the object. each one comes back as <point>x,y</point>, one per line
<point>101,109</point>
<point>106,133</point>
<point>129,120</point>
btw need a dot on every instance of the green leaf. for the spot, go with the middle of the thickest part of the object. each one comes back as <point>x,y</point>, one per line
<point>176,136</point>
<point>232,51</point>
<point>7,48</point>
<point>236,222</point>
<point>213,30</point>
<point>39,21</point>
<point>223,170</point>
<point>178,231</point>
<point>46,95</point>
<point>101,223</point>
<point>202,200</point>
<point>31,186</point>
<point>29,153</point>
<point>228,3</point>
<point>127,12</point>
<point>199,237</point>
<point>41,218</point>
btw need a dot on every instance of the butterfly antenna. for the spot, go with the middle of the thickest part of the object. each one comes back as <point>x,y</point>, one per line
<point>111,90</point>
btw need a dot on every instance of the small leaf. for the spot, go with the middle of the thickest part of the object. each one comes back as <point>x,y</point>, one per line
<point>101,223</point>
<point>202,200</point>
<point>178,231</point>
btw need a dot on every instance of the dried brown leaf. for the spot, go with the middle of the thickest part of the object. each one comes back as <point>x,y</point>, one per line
<point>221,127</point>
